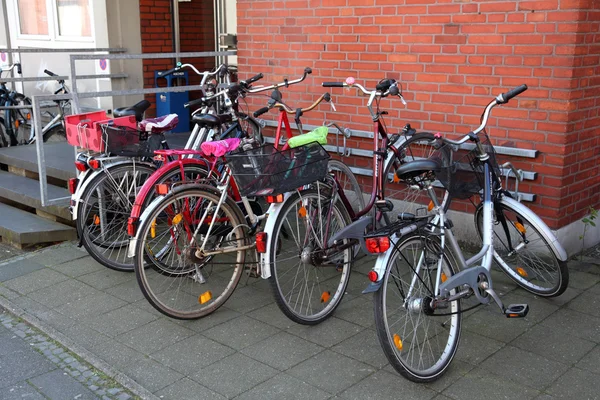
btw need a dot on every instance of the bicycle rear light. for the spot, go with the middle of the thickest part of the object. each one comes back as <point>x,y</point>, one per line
<point>72,185</point>
<point>372,275</point>
<point>378,244</point>
<point>261,242</point>
<point>275,199</point>
<point>81,166</point>
<point>94,164</point>
<point>131,222</point>
<point>162,189</point>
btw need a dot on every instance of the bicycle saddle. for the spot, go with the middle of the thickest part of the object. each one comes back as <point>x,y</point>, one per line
<point>137,110</point>
<point>160,124</point>
<point>415,168</point>
<point>210,120</point>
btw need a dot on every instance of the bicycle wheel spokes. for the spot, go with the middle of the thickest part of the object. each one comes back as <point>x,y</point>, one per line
<point>307,286</point>
<point>418,341</point>
<point>179,281</point>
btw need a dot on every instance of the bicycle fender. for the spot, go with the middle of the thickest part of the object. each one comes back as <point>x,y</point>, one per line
<point>540,225</point>
<point>355,230</point>
<point>273,213</point>
<point>380,264</point>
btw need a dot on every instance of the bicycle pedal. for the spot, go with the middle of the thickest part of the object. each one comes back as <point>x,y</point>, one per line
<point>516,310</point>
<point>384,205</point>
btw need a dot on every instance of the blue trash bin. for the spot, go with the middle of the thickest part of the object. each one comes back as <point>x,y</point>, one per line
<point>172,102</point>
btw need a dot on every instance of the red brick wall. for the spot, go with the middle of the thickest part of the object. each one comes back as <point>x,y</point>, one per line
<point>196,34</point>
<point>451,56</point>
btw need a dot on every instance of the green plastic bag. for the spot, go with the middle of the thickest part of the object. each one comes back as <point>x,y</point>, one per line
<point>318,135</point>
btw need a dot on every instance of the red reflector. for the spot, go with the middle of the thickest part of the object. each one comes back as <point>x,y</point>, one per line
<point>275,199</point>
<point>261,242</point>
<point>72,185</point>
<point>95,164</point>
<point>372,276</point>
<point>162,188</point>
<point>131,226</point>
<point>81,166</point>
<point>378,244</point>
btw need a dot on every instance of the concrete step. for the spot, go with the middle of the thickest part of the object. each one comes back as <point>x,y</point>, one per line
<point>26,191</point>
<point>59,157</point>
<point>22,228</point>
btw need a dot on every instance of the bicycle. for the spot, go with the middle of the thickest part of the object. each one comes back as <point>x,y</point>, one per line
<point>309,270</point>
<point>17,121</point>
<point>198,234</point>
<point>107,194</point>
<point>419,284</point>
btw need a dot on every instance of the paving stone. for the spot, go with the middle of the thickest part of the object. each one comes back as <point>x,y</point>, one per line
<point>357,311</point>
<point>328,333</point>
<point>21,364</point>
<point>79,267</point>
<point>480,384</point>
<point>35,281</point>
<point>89,307</point>
<point>591,362</point>
<point>121,320</point>
<point>240,332</point>
<point>455,371</point>
<point>474,348</point>
<point>191,354</point>
<point>283,386</point>
<point>575,384</point>
<point>364,347</point>
<point>63,292</point>
<point>18,268</point>
<point>247,298</point>
<point>187,389</point>
<point>524,368</point>
<point>223,314</point>
<point>232,375</point>
<point>272,315</point>
<point>152,375</point>
<point>105,278</point>
<point>21,390</point>
<point>331,372</point>
<point>59,255</point>
<point>128,291</point>
<point>572,323</point>
<point>57,385</point>
<point>587,303</point>
<point>154,336</point>
<point>8,293</point>
<point>384,385</point>
<point>82,335</point>
<point>270,351</point>
<point>582,280</point>
<point>495,325</point>
<point>552,345</point>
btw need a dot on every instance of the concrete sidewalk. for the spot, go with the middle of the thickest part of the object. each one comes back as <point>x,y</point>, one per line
<point>249,350</point>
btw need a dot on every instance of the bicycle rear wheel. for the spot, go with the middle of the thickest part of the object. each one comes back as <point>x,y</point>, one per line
<point>523,253</point>
<point>417,340</point>
<point>412,197</point>
<point>103,213</point>
<point>178,282</point>
<point>307,286</point>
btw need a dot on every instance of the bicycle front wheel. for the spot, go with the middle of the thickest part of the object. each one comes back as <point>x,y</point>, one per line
<point>411,197</point>
<point>307,285</point>
<point>523,253</point>
<point>179,282</point>
<point>348,183</point>
<point>417,339</point>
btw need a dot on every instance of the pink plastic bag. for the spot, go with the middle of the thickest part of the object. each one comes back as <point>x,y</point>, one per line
<point>220,147</point>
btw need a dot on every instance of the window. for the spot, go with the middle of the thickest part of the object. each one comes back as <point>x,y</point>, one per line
<point>33,17</point>
<point>74,18</point>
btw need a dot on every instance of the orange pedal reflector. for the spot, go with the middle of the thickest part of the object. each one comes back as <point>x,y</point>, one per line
<point>302,212</point>
<point>521,271</point>
<point>520,227</point>
<point>397,341</point>
<point>325,297</point>
<point>205,297</point>
<point>430,206</point>
<point>444,277</point>
<point>96,220</point>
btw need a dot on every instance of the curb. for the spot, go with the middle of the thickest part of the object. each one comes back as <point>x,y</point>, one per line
<point>90,358</point>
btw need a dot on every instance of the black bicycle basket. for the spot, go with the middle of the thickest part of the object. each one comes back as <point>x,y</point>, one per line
<point>463,175</point>
<point>129,142</point>
<point>266,171</point>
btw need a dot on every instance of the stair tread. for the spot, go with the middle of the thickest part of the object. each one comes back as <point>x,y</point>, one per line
<point>25,228</point>
<point>59,159</point>
<point>27,191</point>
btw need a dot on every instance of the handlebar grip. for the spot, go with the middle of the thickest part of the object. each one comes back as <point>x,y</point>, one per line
<point>333,84</point>
<point>47,72</point>
<point>193,103</point>
<point>512,93</point>
<point>19,70</point>
<point>170,71</point>
<point>394,91</point>
<point>260,112</point>
<point>384,84</point>
<point>307,71</point>
<point>254,78</point>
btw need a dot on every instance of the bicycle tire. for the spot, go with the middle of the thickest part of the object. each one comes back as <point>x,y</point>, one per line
<point>408,197</point>
<point>534,266</point>
<point>56,134</point>
<point>330,277</point>
<point>398,341</point>
<point>111,249</point>
<point>186,289</point>
<point>348,183</point>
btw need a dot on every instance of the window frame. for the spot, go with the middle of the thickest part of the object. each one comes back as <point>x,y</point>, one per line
<point>67,38</point>
<point>25,36</point>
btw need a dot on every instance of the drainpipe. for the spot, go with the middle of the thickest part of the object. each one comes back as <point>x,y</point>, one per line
<point>176,34</point>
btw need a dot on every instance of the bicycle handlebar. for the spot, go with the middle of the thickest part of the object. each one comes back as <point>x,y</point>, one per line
<point>505,97</point>
<point>286,83</point>
<point>325,96</point>
<point>17,65</point>
<point>48,72</point>
<point>261,112</point>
